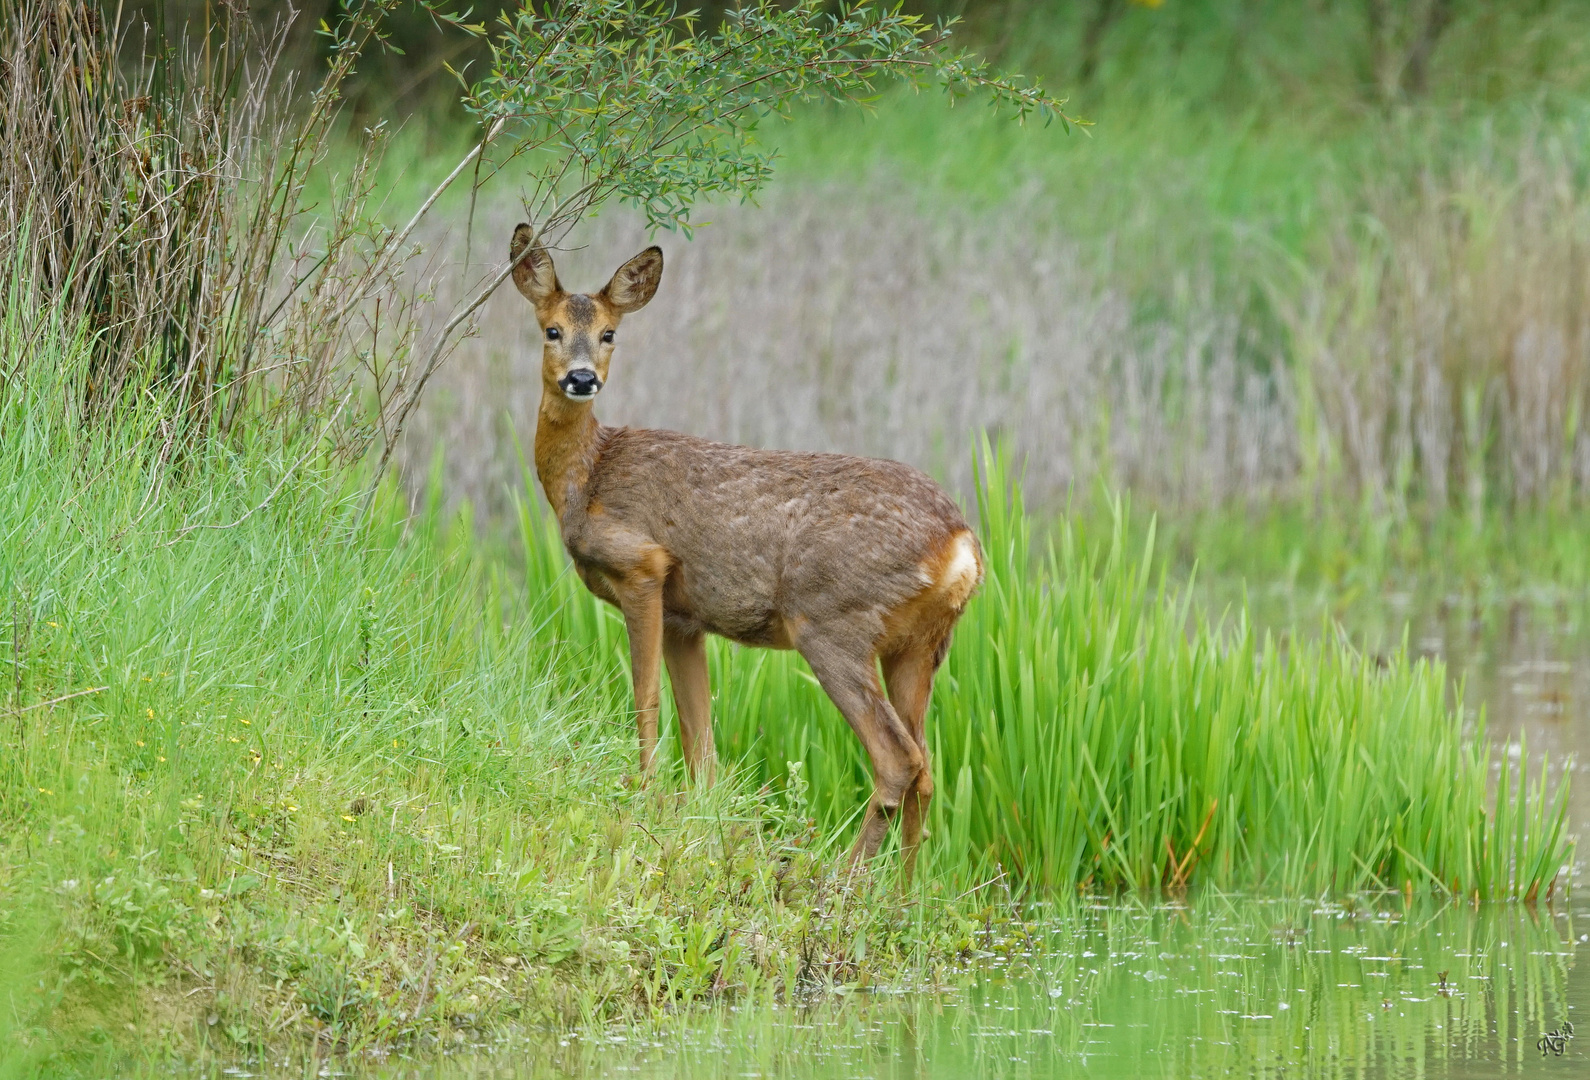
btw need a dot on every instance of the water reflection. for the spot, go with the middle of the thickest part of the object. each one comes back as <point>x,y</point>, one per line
<point>1222,986</point>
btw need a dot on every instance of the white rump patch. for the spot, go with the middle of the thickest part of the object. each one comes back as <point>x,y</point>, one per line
<point>962,572</point>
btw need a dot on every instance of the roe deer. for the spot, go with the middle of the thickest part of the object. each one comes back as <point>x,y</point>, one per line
<point>850,561</point>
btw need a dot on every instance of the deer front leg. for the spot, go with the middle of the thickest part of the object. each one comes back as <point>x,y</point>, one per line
<point>640,598</point>
<point>686,656</point>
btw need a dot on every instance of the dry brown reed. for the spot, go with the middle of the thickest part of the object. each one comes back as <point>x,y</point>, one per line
<point>849,319</point>
<point>1435,352</point>
<point>156,199</point>
<point>1443,338</point>
<point>1435,346</point>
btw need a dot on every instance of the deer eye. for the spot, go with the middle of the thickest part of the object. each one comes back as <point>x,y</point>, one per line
<point>553,333</point>
<point>607,337</point>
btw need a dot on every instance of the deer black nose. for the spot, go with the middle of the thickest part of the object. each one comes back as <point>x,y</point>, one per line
<point>580,383</point>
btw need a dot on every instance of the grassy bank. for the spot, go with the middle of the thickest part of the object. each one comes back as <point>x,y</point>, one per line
<point>271,783</point>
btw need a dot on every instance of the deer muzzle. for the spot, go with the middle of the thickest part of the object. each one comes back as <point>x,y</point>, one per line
<point>580,384</point>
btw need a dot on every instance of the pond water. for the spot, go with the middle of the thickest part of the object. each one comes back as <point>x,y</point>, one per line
<point>1220,986</point>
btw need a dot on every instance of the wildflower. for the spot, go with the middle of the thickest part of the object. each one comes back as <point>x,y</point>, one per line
<point>243,721</point>
<point>151,713</point>
<point>45,791</point>
<point>347,817</point>
<point>56,625</point>
<point>162,757</point>
<point>140,742</point>
<point>234,738</point>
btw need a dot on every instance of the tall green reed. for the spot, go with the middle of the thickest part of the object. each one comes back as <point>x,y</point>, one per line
<point>1091,729</point>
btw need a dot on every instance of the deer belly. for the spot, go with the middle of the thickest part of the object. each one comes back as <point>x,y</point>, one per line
<point>769,633</point>
<point>596,581</point>
<point>741,615</point>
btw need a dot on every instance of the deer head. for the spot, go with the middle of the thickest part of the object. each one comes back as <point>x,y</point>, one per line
<point>579,329</point>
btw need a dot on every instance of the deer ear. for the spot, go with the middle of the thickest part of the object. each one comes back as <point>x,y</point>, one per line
<point>533,271</point>
<point>635,283</point>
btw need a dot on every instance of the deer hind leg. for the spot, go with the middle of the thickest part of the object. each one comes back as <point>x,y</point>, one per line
<point>849,675</point>
<point>908,674</point>
<point>686,656</point>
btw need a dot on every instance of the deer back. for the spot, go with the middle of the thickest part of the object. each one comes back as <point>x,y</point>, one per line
<point>759,542</point>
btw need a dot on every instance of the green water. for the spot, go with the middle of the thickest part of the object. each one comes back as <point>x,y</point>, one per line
<point>1218,987</point>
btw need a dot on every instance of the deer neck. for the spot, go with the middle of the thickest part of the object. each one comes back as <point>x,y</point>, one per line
<point>567,437</point>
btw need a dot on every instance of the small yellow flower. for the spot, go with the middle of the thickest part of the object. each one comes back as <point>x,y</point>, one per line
<point>56,625</point>
<point>162,757</point>
<point>45,791</point>
<point>151,713</point>
<point>347,817</point>
<point>140,742</point>
<point>234,738</point>
<point>243,722</point>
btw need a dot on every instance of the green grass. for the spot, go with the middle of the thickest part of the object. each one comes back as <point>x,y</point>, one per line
<point>372,786</point>
<point>1171,199</point>
<point>337,784</point>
